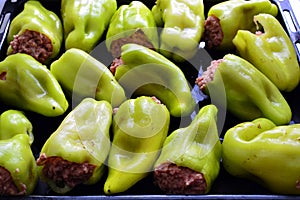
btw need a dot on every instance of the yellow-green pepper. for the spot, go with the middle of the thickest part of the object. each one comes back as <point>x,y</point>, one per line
<point>27,84</point>
<point>17,166</point>
<point>270,51</point>
<point>81,75</point>
<point>131,23</point>
<point>140,127</point>
<point>183,26</point>
<point>75,153</point>
<point>84,22</point>
<point>13,122</point>
<point>190,159</point>
<point>264,153</point>
<point>37,32</point>
<point>146,72</point>
<point>249,93</point>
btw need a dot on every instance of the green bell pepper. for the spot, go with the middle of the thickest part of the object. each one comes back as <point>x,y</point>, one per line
<point>190,158</point>
<point>140,127</point>
<point>264,153</point>
<point>17,166</point>
<point>146,72</point>
<point>85,22</point>
<point>272,52</point>
<point>131,23</point>
<point>13,122</point>
<point>249,93</point>
<point>81,75</point>
<point>226,18</point>
<point>75,153</point>
<point>183,26</point>
<point>37,32</point>
<point>27,84</point>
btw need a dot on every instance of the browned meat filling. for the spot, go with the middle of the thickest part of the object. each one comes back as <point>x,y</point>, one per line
<point>33,43</point>
<point>3,76</point>
<point>7,185</point>
<point>64,172</point>
<point>213,34</point>
<point>116,63</point>
<point>174,179</point>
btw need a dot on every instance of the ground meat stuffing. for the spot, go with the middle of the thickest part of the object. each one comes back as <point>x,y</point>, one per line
<point>33,43</point>
<point>64,172</point>
<point>174,179</point>
<point>208,75</point>
<point>138,37</point>
<point>213,34</point>
<point>3,76</point>
<point>116,63</point>
<point>7,185</point>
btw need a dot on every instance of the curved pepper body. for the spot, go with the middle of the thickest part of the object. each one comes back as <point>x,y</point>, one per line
<point>146,72</point>
<point>237,15</point>
<point>27,84</point>
<point>130,18</point>
<point>140,127</point>
<point>265,153</point>
<point>82,138</point>
<point>183,26</point>
<point>196,147</point>
<point>272,52</point>
<point>84,22</point>
<point>36,18</point>
<point>249,93</point>
<point>81,74</point>
<point>17,158</point>
<point>13,122</point>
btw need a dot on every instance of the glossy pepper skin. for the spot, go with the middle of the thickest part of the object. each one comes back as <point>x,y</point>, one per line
<point>249,93</point>
<point>13,122</point>
<point>183,26</point>
<point>84,22</point>
<point>81,74</point>
<point>17,158</point>
<point>140,127</point>
<point>27,84</point>
<point>265,153</point>
<point>146,72</point>
<point>270,51</point>
<point>196,147</point>
<point>237,15</point>
<point>37,18</point>
<point>82,138</point>
<point>127,20</point>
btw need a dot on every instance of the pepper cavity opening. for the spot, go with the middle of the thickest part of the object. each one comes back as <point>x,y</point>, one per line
<point>3,76</point>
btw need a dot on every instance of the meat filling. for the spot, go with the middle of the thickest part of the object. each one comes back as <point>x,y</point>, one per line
<point>174,179</point>
<point>213,34</point>
<point>64,172</point>
<point>116,63</point>
<point>3,76</point>
<point>33,43</point>
<point>7,185</point>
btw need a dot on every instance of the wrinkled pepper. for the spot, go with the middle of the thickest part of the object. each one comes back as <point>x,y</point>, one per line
<point>190,159</point>
<point>146,72</point>
<point>270,51</point>
<point>75,153</point>
<point>81,75</point>
<point>264,153</point>
<point>131,23</point>
<point>226,18</point>
<point>183,26</point>
<point>249,93</point>
<point>27,84</point>
<point>13,122</point>
<point>140,127</point>
<point>85,22</point>
<point>37,32</point>
<point>17,166</point>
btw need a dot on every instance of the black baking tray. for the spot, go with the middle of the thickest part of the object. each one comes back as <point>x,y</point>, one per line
<point>225,186</point>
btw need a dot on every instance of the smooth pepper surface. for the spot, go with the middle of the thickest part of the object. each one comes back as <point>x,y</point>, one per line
<point>260,151</point>
<point>27,84</point>
<point>271,51</point>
